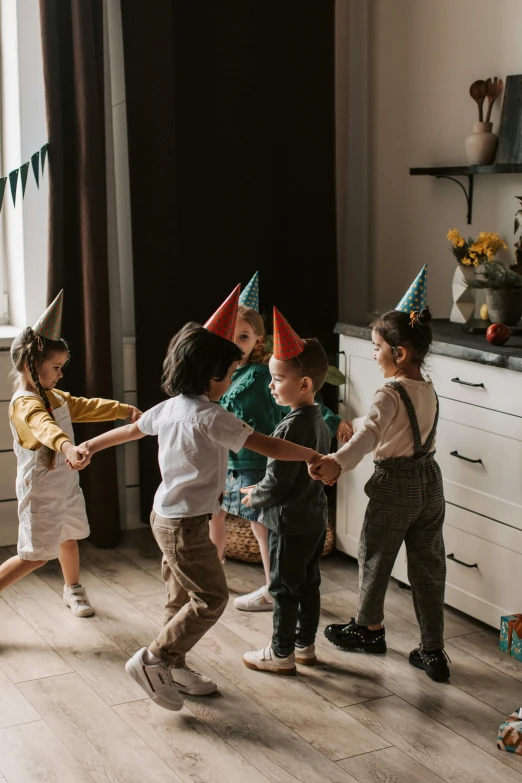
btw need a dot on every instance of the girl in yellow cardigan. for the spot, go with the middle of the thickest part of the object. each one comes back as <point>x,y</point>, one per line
<point>51,508</point>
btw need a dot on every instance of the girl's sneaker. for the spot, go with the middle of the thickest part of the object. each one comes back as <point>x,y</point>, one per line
<point>357,638</point>
<point>434,663</point>
<point>76,599</point>
<point>305,655</point>
<point>258,601</point>
<point>156,680</point>
<point>267,661</point>
<point>188,681</point>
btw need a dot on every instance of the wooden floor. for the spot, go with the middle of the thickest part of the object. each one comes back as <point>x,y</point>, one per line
<point>70,714</point>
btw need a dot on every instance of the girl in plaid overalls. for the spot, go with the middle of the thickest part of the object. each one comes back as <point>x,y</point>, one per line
<point>405,491</point>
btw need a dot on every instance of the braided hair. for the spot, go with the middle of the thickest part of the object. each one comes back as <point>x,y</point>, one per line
<point>30,350</point>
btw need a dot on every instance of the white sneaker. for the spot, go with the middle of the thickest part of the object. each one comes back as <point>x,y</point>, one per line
<point>191,682</point>
<point>76,599</point>
<point>306,655</point>
<point>156,681</point>
<point>266,661</point>
<point>258,601</point>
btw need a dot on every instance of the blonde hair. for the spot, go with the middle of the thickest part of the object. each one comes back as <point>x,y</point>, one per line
<point>259,355</point>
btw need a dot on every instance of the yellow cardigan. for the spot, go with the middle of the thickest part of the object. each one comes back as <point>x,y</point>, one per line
<point>36,427</point>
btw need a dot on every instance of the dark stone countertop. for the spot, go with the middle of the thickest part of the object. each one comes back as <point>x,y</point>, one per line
<point>451,340</point>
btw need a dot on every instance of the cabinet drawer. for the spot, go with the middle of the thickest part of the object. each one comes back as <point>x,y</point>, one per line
<point>492,486</point>
<point>494,387</point>
<point>484,591</point>
<point>6,387</point>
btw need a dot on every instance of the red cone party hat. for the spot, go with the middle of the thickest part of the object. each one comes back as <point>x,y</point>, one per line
<point>287,343</point>
<point>223,322</point>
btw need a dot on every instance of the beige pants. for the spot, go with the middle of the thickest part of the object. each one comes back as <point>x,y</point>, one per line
<point>197,591</point>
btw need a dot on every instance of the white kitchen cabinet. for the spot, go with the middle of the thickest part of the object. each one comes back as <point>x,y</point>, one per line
<point>480,420</point>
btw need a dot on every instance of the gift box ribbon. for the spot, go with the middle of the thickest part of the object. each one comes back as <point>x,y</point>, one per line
<point>514,625</point>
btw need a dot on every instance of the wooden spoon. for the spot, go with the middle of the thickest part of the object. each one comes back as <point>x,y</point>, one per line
<point>493,90</point>
<point>478,93</point>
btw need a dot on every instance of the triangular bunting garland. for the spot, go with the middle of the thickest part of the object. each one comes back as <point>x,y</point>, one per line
<point>35,162</point>
<point>24,171</point>
<point>43,150</point>
<point>414,300</point>
<point>13,181</point>
<point>3,183</point>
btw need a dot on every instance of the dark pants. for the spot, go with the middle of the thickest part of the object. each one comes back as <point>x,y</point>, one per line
<point>295,578</point>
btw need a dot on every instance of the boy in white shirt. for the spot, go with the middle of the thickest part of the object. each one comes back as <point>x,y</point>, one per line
<point>194,438</point>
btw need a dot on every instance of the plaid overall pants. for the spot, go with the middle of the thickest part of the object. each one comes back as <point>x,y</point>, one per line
<point>406,504</point>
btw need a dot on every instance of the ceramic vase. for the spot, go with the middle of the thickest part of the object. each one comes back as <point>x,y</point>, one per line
<point>463,297</point>
<point>481,144</point>
<point>504,305</point>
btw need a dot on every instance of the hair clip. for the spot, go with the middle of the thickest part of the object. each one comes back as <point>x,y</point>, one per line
<point>414,318</point>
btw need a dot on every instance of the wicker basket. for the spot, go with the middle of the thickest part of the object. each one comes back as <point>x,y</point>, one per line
<point>242,544</point>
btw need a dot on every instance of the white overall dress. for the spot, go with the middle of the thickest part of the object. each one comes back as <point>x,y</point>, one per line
<point>51,508</point>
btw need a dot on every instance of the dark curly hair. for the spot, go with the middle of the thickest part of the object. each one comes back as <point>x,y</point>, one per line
<point>412,331</point>
<point>194,357</point>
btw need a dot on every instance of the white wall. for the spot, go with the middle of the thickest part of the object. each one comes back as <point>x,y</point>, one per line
<point>424,54</point>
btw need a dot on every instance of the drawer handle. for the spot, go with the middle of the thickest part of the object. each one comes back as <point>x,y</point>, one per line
<point>467,383</point>
<point>467,459</point>
<point>461,562</point>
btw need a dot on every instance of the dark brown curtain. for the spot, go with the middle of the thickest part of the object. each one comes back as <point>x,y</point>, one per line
<point>230,108</point>
<point>72,42</point>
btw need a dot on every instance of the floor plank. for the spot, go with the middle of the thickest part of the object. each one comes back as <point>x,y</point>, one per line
<point>436,747</point>
<point>14,709</point>
<point>24,655</point>
<point>120,573</point>
<point>390,765</point>
<point>32,753</point>
<point>484,646</point>
<point>87,651</point>
<point>188,745</point>
<point>103,743</point>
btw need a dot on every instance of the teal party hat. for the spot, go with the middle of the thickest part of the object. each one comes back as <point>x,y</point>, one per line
<point>414,300</point>
<point>250,295</point>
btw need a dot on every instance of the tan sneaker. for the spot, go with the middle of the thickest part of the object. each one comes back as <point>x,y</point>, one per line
<point>306,655</point>
<point>266,661</point>
<point>76,599</point>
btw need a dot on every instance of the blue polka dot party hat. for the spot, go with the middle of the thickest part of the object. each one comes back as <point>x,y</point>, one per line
<point>250,295</point>
<point>414,300</point>
<point>49,325</point>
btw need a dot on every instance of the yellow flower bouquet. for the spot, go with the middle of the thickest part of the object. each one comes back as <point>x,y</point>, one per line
<point>474,252</point>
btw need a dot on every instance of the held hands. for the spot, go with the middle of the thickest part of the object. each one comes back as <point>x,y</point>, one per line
<point>325,469</point>
<point>247,492</point>
<point>77,457</point>
<point>345,431</point>
<point>134,414</point>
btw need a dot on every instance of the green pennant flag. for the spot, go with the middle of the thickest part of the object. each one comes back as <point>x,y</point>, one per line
<point>43,150</point>
<point>24,171</point>
<point>13,181</point>
<point>35,162</point>
<point>3,183</point>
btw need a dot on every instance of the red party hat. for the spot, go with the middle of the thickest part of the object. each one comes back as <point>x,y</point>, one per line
<point>223,322</point>
<point>287,343</point>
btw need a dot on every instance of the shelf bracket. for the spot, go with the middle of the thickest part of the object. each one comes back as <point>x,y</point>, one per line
<point>468,193</point>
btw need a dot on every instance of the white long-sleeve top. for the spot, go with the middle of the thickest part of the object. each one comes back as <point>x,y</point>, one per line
<point>386,430</point>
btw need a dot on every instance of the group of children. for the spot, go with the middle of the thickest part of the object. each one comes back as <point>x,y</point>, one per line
<point>261,454</point>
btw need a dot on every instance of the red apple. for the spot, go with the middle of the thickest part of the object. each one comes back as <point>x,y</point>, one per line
<point>498,334</point>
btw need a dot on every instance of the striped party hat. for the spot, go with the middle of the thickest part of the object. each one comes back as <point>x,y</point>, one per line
<point>223,322</point>
<point>287,343</point>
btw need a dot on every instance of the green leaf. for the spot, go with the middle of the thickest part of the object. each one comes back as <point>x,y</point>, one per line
<point>335,376</point>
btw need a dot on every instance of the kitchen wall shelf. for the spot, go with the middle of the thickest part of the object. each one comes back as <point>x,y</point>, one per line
<point>450,172</point>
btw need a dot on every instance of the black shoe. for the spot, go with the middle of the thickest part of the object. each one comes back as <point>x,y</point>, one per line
<point>356,637</point>
<point>435,663</point>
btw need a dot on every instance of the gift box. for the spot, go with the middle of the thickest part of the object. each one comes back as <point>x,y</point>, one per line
<point>510,733</point>
<point>511,635</point>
